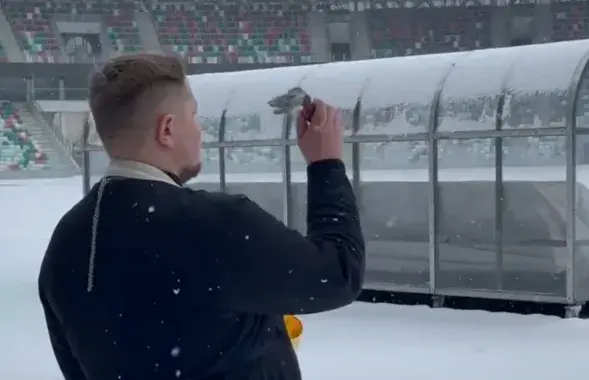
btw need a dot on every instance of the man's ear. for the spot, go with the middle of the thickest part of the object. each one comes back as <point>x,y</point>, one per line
<point>165,130</point>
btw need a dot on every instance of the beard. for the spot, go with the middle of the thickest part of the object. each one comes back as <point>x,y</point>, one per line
<point>189,172</point>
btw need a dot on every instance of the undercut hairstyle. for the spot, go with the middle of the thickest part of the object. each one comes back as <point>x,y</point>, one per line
<point>128,86</point>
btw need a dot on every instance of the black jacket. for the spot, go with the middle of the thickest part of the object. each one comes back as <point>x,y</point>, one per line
<point>193,285</point>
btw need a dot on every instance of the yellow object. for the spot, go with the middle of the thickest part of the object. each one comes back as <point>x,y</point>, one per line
<point>294,326</point>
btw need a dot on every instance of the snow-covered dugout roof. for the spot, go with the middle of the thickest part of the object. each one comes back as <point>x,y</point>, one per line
<point>551,67</point>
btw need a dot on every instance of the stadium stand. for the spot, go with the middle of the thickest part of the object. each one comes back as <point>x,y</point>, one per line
<point>17,149</point>
<point>264,32</point>
<point>273,32</point>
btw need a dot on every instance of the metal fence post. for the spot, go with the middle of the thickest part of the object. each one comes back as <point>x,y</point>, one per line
<point>432,148</point>
<point>571,182</point>
<point>288,202</point>
<point>356,154</point>
<point>221,150</point>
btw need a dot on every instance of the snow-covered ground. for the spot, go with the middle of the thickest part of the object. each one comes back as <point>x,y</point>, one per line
<point>362,341</point>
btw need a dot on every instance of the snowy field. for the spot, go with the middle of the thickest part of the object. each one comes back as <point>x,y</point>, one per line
<point>360,342</point>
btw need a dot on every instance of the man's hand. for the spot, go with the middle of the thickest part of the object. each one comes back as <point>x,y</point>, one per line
<point>320,132</point>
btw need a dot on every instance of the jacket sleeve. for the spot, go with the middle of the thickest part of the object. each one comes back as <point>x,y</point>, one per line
<point>68,364</point>
<point>268,268</point>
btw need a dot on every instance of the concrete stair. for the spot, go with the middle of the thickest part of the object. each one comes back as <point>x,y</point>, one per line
<point>8,39</point>
<point>58,158</point>
<point>147,31</point>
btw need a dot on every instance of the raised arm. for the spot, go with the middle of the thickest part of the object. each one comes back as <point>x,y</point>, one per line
<point>275,270</point>
<point>268,268</point>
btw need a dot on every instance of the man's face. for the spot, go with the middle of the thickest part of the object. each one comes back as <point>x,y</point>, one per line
<point>189,145</point>
<point>179,133</point>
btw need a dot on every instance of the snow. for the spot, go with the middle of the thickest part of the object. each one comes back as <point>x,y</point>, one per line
<point>409,83</point>
<point>418,76</point>
<point>362,341</point>
<point>402,88</point>
<point>534,68</point>
<point>533,71</point>
<point>384,342</point>
<point>338,83</point>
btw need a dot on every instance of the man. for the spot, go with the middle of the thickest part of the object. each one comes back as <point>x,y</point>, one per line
<point>144,279</point>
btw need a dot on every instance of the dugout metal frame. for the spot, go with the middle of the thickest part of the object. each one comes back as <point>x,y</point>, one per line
<point>537,63</point>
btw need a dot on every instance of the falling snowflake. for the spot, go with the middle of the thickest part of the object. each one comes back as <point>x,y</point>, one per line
<point>175,351</point>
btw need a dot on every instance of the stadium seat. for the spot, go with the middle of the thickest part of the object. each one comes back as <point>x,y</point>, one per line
<point>412,31</point>
<point>234,33</point>
<point>17,150</point>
